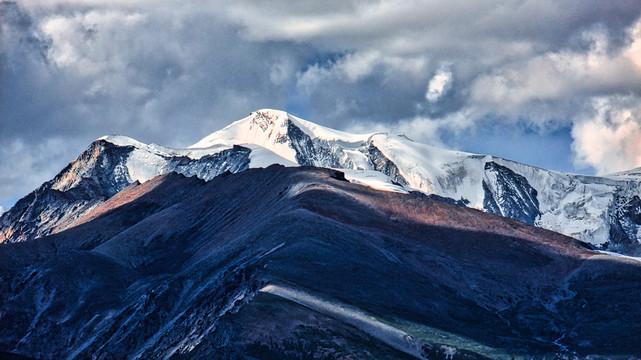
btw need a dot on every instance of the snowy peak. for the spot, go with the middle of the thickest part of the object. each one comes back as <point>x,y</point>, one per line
<point>121,140</point>
<point>296,140</point>
<point>300,142</point>
<point>266,128</point>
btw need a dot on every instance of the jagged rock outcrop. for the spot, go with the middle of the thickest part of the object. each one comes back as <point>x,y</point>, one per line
<point>100,172</point>
<point>509,194</point>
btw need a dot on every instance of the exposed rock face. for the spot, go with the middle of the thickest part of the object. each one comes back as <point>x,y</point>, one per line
<point>308,151</point>
<point>322,153</point>
<point>173,268</point>
<point>209,166</point>
<point>625,221</point>
<point>509,194</point>
<point>384,165</point>
<point>100,172</point>
<point>97,174</point>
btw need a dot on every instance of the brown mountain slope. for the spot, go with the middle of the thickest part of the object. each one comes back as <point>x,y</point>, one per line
<point>173,268</point>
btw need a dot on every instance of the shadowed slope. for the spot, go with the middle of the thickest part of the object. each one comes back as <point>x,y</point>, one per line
<point>172,267</point>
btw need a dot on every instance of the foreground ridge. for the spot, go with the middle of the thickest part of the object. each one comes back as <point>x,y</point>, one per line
<point>296,262</point>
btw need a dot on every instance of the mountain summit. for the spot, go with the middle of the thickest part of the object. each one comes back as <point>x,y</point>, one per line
<point>604,211</point>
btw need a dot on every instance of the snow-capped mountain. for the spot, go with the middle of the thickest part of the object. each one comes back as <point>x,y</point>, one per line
<point>604,211</point>
<point>109,261</point>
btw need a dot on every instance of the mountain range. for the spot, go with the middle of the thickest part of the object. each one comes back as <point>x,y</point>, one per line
<point>276,238</point>
<point>602,211</point>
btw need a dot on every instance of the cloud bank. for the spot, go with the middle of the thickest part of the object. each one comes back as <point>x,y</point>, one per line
<point>171,72</point>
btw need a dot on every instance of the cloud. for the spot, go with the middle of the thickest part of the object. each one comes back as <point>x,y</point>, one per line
<point>633,52</point>
<point>171,72</point>
<point>559,75</point>
<point>78,72</point>
<point>417,26</point>
<point>439,84</point>
<point>608,139</point>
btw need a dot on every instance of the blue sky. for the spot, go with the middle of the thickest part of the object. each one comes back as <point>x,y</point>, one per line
<point>551,151</point>
<point>555,84</point>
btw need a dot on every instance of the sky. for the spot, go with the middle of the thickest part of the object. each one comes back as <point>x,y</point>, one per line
<point>552,83</point>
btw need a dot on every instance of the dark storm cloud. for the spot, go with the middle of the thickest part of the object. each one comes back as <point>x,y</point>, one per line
<point>171,72</point>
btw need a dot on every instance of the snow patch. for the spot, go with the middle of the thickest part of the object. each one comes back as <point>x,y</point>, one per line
<point>448,351</point>
<point>272,250</point>
<point>328,134</point>
<point>144,165</point>
<point>373,179</point>
<point>261,157</point>
<point>121,140</point>
<point>620,256</point>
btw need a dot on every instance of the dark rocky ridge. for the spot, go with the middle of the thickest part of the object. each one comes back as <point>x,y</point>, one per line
<point>511,196</point>
<point>625,223</point>
<point>97,174</point>
<point>381,163</point>
<point>94,176</point>
<point>308,152</point>
<point>171,268</point>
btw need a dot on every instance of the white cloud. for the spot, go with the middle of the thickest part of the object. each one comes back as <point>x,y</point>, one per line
<point>282,71</point>
<point>634,50</point>
<point>558,75</point>
<point>309,80</point>
<point>439,84</point>
<point>609,139</point>
<point>349,68</point>
<point>359,65</point>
